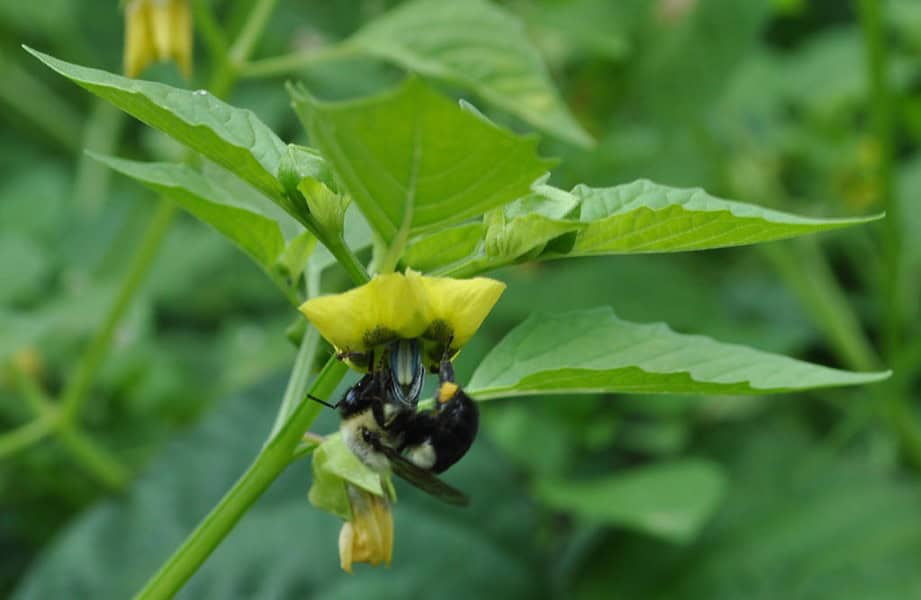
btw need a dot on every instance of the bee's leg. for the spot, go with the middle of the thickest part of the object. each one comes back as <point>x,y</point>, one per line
<point>447,389</point>
<point>455,420</point>
<point>362,359</point>
<point>310,437</point>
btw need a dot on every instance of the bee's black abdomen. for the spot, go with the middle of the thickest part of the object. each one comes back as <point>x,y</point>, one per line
<point>455,429</point>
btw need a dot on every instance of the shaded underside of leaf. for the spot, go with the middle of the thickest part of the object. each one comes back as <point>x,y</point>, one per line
<point>258,236</point>
<point>479,46</point>
<point>411,159</point>
<point>232,137</point>
<point>594,351</point>
<point>443,247</point>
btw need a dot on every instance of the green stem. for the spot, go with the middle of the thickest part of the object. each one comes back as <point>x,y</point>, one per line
<point>471,267</point>
<point>287,64</point>
<point>101,135</point>
<point>306,354</point>
<point>95,459</point>
<point>269,463</point>
<point>881,113</point>
<point>227,65</point>
<point>893,400</point>
<point>211,33</point>
<point>39,103</point>
<point>297,384</point>
<point>805,271</point>
<point>390,258</point>
<point>45,416</point>
<point>33,393</point>
<point>256,21</point>
<point>74,394</point>
<point>25,436</point>
<point>336,246</point>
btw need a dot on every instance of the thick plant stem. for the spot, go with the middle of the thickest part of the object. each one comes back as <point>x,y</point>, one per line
<point>92,457</point>
<point>101,135</point>
<point>258,18</point>
<point>24,436</point>
<point>74,394</point>
<point>894,401</point>
<point>336,246</point>
<point>210,31</point>
<point>288,64</point>
<point>306,355</point>
<point>805,271</point>
<point>269,463</point>
<point>38,103</point>
<point>881,114</point>
<point>297,384</point>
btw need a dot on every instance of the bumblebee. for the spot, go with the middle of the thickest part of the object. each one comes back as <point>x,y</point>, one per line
<point>381,425</point>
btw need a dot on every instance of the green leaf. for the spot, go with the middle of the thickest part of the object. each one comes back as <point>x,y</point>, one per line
<point>333,465</point>
<point>684,67</point>
<point>326,206</point>
<point>793,524</point>
<point>255,234</point>
<point>232,137</point>
<point>479,46</point>
<point>300,163</point>
<point>25,266</point>
<point>296,254</point>
<point>443,247</point>
<point>647,217</point>
<point>526,224</point>
<point>309,183</point>
<point>412,160</point>
<point>580,29</point>
<point>357,236</point>
<point>594,351</point>
<point>670,500</point>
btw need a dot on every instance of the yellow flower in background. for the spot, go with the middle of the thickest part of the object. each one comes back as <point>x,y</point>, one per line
<point>157,30</point>
<point>368,535</point>
<point>437,310</point>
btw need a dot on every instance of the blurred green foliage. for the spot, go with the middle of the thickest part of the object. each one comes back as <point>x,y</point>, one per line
<point>764,102</point>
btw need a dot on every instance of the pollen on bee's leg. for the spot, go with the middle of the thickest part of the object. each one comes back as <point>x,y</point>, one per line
<point>312,438</point>
<point>446,391</point>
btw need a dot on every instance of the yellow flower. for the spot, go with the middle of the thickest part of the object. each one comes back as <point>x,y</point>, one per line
<point>368,535</point>
<point>437,310</point>
<point>157,30</point>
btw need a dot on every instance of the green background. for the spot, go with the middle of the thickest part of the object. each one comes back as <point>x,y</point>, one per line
<point>584,496</point>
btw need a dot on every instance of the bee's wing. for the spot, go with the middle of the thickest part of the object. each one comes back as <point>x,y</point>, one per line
<point>424,480</point>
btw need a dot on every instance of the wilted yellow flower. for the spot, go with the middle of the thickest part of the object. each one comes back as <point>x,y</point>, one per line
<point>437,310</point>
<point>157,30</point>
<point>368,536</point>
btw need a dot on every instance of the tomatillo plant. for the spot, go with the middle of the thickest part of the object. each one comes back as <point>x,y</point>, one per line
<point>439,194</point>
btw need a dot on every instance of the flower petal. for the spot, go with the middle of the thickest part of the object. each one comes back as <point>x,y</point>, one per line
<point>381,311</point>
<point>461,304</point>
<point>394,306</point>
<point>346,543</point>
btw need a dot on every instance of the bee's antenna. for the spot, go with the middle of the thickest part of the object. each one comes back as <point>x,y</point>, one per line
<point>323,402</point>
<point>446,355</point>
